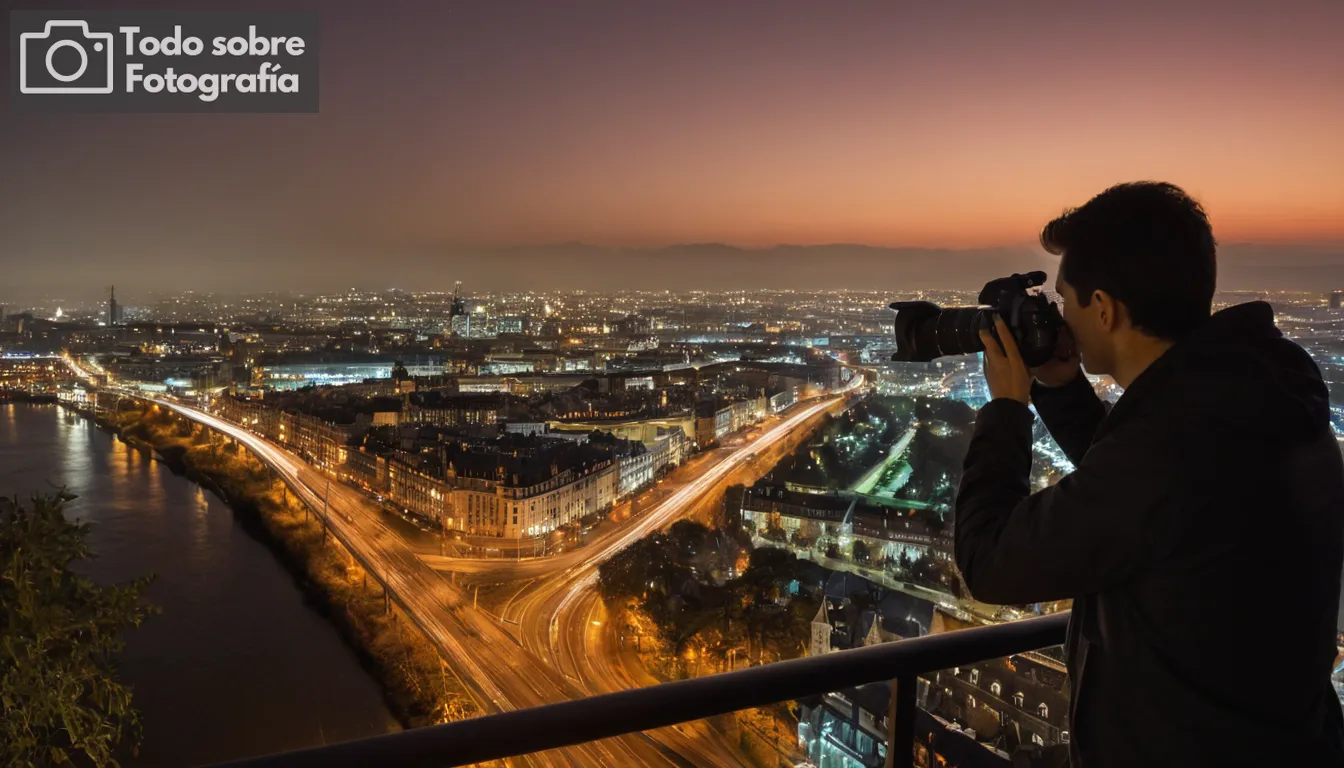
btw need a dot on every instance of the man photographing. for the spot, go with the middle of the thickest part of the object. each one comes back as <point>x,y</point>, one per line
<point>1201,535</point>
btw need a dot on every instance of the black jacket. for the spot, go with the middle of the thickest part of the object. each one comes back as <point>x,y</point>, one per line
<point>1201,537</point>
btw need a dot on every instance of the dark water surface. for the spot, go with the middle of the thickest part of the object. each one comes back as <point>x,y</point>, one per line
<point>237,664</point>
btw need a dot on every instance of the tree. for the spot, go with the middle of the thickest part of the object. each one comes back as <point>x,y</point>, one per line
<point>687,538</point>
<point>768,570</point>
<point>60,639</point>
<point>642,566</point>
<point>729,515</point>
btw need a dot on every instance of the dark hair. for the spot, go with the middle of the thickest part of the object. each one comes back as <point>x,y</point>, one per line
<point>1148,245</point>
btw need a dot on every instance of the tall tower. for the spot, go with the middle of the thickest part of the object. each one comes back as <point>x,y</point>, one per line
<point>458,318</point>
<point>459,307</point>
<point>1336,299</point>
<point>113,315</point>
<point>821,632</point>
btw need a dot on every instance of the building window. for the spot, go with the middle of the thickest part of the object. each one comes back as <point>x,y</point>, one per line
<point>1036,739</point>
<point>995,688</point>
<point>970,702</point>
<point>1018,699</point>
<point>1043,710</point>
<point>1064,737</point>
<point>975,677</point>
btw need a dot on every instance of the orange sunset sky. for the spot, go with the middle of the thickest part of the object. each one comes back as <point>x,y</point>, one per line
<point>451,127</point>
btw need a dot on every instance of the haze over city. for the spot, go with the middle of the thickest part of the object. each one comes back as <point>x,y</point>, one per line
<point>448,131</point>
<point>616,383</point>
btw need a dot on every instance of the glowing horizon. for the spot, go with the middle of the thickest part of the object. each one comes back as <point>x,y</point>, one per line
<point>449,128</point>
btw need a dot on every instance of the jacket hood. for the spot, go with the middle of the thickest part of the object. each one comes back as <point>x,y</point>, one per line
<point>1245,367</point>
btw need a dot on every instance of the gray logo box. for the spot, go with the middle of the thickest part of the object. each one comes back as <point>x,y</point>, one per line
<point>163,61</point>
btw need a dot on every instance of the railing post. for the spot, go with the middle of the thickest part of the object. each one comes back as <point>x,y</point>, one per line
<point>901,722</point>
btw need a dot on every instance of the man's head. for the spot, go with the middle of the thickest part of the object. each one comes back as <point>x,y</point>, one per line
<point>1138,265</point>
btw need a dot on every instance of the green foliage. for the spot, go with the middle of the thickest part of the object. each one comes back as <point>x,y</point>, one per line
<point>60,639</point>
<point>731,517</point>
<point>644,566</point>
<point>769,571</point>
<point>687,538</point>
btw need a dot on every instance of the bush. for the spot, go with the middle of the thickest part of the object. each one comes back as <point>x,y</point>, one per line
<point>60,639</point>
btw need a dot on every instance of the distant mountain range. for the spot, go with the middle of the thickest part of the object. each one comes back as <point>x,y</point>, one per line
<point>716,266</point>
<point>583,266</point>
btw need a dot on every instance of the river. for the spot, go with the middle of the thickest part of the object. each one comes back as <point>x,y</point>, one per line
<point>238,664</point>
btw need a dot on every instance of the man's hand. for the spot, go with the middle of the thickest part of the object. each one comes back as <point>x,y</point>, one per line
<point>1005,372</point>
<point>1063,368</point>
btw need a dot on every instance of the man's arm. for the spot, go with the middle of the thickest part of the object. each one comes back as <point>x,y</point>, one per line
<point>1093,529</point>
<point>1071,412</point>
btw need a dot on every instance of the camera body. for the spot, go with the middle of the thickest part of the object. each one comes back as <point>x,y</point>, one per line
<point>86,65</point>
<point>924,331</point>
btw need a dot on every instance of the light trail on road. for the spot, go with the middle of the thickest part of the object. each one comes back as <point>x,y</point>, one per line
<point>498,673</point>
<point>291,469</point>
<point>503,671</point>
<point>553,618</point>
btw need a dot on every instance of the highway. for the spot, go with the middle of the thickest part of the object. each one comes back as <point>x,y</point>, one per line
<point>560,619</point>
<point>548,649</point>
<point>499,673</point>
<point>665,511</point>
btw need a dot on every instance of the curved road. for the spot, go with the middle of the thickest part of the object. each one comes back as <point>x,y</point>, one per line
<point>552,658</point>
<point>497,671</point>
<point>561,620</point>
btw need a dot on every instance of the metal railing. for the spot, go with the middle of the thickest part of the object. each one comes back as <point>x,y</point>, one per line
<point>565,724</point>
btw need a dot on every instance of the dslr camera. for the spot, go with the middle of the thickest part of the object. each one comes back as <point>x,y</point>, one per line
<point>925,331</point>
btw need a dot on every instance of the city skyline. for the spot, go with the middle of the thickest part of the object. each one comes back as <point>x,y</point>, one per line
<point>450,131</point>
<point>694,267</point>
<point>559,383</point>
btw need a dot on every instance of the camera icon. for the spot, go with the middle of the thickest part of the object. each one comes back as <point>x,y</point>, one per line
<point>37,65</point>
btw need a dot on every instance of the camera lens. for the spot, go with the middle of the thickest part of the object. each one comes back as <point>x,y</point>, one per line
<point>924,331</point>
<point>959,330</point>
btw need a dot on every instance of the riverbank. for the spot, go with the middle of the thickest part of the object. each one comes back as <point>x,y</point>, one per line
<point>418,687</point>
<point>21,396</point>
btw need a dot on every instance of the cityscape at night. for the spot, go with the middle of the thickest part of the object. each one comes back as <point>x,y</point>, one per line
<point>543,393</point>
